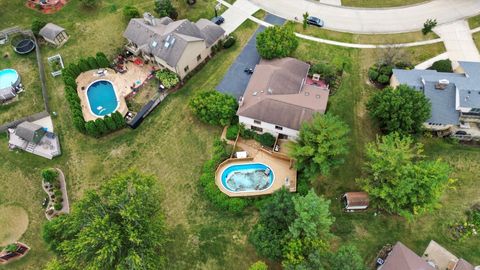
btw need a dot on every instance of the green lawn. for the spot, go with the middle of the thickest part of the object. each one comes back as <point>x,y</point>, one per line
<point>380,3</point>
<point>474,22</point>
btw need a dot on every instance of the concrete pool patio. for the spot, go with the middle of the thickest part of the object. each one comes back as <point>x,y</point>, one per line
<point>135,76</point>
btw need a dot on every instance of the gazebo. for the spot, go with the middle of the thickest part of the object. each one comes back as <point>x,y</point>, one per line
<point>54,34</point>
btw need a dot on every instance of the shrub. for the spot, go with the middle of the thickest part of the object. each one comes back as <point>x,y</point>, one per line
<point>442,66</point>
<point>232,132</point>
<point>83,65</point>
<point>57,193</point>
<point>327,72</point>
<point>247,134</point>
<point>118,119</point>
<point>130,12</point>
<point>69,81</point>
<point>214,107</point>
<point>165,8</point>
<point>101,127</point>
<point>266,139</point>
<point>229,41</point>
<point>74,70</point>
<point>37,25</point>
<point>92,62</point>
<point>50,175</point>
<point>167,78</point>
<point>386,70</point>
<point>277,42</point>
<point>91,129</point>
<point>11,248</point>
<point>79,123</point>
<point>102,60</point>
<point>429,25</point>
<point>111,126</point>
<point>383,79</point>
<point>58,206</point>
<point>372,74</point>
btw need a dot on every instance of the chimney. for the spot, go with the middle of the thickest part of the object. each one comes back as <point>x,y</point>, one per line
<point>148,18</point>
<point>442,84</point>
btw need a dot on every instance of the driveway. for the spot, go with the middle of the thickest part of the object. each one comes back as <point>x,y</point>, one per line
<point>236,14</point>
<point>382,20</point>
<point>236,80</point>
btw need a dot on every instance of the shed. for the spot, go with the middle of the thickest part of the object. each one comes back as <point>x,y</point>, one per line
<point>355,201</point>
<point>54,34</point>
<point>30,132</point>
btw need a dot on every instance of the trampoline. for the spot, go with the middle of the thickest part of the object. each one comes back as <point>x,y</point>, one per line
<point>23,44</point>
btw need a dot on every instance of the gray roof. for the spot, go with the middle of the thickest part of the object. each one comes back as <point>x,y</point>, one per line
<point>168,39</point>
<point>402,258</point>
<point>51,31</point>
<point>29,131</point>
<point>463,265</point>
<point>443,104</point>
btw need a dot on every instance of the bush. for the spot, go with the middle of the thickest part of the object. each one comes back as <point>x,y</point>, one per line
<point>50,175</point>
<point>92,62</point>
<point>57,193</point>
<point>102,60</point>
<point>111,126</point>
<point>327,72</point>
<point>101,127</point>
<point>429,25</point>
<point>58,206</point>
<point>130,12</point>
<point>383,79</point>
<point>118,119</point>
<point>214,107</point>
<point>165,8</point>
<point>167,78</point>
<point>69,81</point>
<point>79,123</point>
<point>266,139</point>
<point>83,65</point>
<point>372,74</point>
<point>442,66</point>
<point>232,132</point>
<point>91,129</point>
<point>247,134</point>
<point>277,42</point>
<point>37,25</point>
<point>229,42</point>
<point>386,70</point>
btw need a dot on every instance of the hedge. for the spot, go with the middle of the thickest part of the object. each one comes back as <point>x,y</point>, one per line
<point>232,132</point>
<point>211,190</point>
<point>100,126</point>
<point>229,42</point>
<point>265,139</point>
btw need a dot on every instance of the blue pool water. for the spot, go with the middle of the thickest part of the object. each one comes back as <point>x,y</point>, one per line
<point>102,98</point>
<point>7,78</point>
<point>247,177</point>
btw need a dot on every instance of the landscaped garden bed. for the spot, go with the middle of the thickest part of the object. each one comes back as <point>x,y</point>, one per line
<point>54,185</point>
<point>13,252</point>
<point>56,65</point>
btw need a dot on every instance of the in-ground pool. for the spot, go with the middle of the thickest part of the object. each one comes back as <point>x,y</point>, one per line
<point>102,98</point>
<point>247,177</point>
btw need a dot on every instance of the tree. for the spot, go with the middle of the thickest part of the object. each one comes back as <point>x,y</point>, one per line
<point>83,65</point>
<point>50,175</point>
<point>79,123</point>
<point>214,107</point>
<point>347,258</point>
<point>130,12</point>
<point>92,129</point>
<point>118,119</point>
<point>305,17</point>
<point>269,234</point>
<point>164,8</point>
<point>37,25</point>
<point>402,109</point>
<point>258,266</point>
<point>276,42</point>
<point>90,3</point>
<point>167,78</point>
<point>321,145</point>
<point>111,126</point>
<point>429,25</point>
<point>92,62</point>
<point>398,177</point>
<point>102,60</point>
<point>442,65</point>
<point>55,264</point>
<point>119,227</point>
<point>101,127</point>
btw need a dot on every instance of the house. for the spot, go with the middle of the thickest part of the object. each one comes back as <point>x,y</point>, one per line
<point>179,46</point>
<point>34,139</point>
<point>54,34</point>
<point>455,97</point>
<point>355,201</point>
<point>278,98</point>
<point>435,257</point>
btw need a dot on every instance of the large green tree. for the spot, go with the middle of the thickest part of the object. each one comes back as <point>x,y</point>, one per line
<point>276,42</point>
<point>347,258</point>
<point>214,107</point>
<point>400,179</point>
<point>402,109</point>
<point>321,145</point>
<point>119,227</point>
<point>164,8</point>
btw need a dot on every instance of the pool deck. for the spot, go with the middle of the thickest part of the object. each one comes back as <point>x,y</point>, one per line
<point>122,84</point>
<point>280,164</point>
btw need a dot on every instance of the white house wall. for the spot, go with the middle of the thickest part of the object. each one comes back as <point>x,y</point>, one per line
<point>268,127</point>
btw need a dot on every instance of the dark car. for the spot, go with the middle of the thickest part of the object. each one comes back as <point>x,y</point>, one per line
<point>315,21</point>
<point>218,20</point>
<point>461,132</point>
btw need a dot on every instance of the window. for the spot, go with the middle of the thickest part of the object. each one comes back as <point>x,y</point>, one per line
<point>279,127</point>
<point>199,57</point>
<point>186,69</point>
<point>257,122</point>
<point>257,129</point>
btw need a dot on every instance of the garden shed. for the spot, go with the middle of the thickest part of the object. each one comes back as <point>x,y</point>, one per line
<point>30,132</point>
<point>355,201</point>
<point>54,34</point>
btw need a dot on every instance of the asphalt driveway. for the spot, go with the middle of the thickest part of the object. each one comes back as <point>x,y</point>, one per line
<point>236,80</point>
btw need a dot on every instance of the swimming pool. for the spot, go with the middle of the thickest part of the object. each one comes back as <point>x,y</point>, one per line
<point>247,177</point>
<point>102,98</point>
<point>8,77</point>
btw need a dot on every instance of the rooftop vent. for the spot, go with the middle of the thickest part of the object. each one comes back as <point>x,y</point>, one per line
<point>442,84</point>
<point>307,93</point>
<point>255,93</point>
<point>154,44</point>
<point>317,96</point>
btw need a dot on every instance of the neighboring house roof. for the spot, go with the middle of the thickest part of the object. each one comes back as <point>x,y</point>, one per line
<point>51,31</point>
<point>357,199</point>
<point>277,94</point>
<point>29,131</point>
<point>168,39</point>
<point>462,90</point>
<point>463,265</point>
<point>402,258</point>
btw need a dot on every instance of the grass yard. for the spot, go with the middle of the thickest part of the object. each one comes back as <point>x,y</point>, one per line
<point>30,101</point>
<point>476,38</point>
<point>474,22</point>
<point>380,3</point>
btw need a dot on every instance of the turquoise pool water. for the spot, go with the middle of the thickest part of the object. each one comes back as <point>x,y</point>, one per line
<point>247,177</point>
<point>102,98</point>
<point>7,78</point>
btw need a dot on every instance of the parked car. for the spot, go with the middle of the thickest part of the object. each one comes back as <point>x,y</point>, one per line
<point>218,20</point>
<point>461,132</point>
<point>315,21</point>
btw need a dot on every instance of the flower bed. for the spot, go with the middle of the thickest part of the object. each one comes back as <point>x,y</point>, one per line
<point>56,65</point>
<point>54,185</point>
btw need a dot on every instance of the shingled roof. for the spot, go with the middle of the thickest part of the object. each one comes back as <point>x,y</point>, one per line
<point>29,131</point>
<point>402,258</point>
<point>277,94</point>
<point>50,31</point>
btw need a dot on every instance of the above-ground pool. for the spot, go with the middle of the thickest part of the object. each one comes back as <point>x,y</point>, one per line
<point>9,79</point>
<point>102,98</point>
<point>247,177</point>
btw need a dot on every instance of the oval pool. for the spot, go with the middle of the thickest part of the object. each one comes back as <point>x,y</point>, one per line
<point>102,98</point>
<point>247,177</point>
<point>8,78</point>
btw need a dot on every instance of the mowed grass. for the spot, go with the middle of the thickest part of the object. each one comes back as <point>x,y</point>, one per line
<point>380,3</point>
<point>30,101</point>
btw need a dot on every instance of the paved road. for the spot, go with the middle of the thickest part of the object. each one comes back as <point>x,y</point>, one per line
<point>367,21</point>
<point>236,80</point>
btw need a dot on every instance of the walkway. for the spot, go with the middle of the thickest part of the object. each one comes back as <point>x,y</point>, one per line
<point>237,14</point>
<point>458,41</point>
<point>374,21</point>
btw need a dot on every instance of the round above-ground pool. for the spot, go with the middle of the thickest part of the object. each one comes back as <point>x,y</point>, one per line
<point>9,79</point>
<point>102,98</point>
<point>248,177</point>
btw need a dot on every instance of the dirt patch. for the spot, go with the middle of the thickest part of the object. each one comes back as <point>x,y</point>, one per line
<point>14,222</point>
